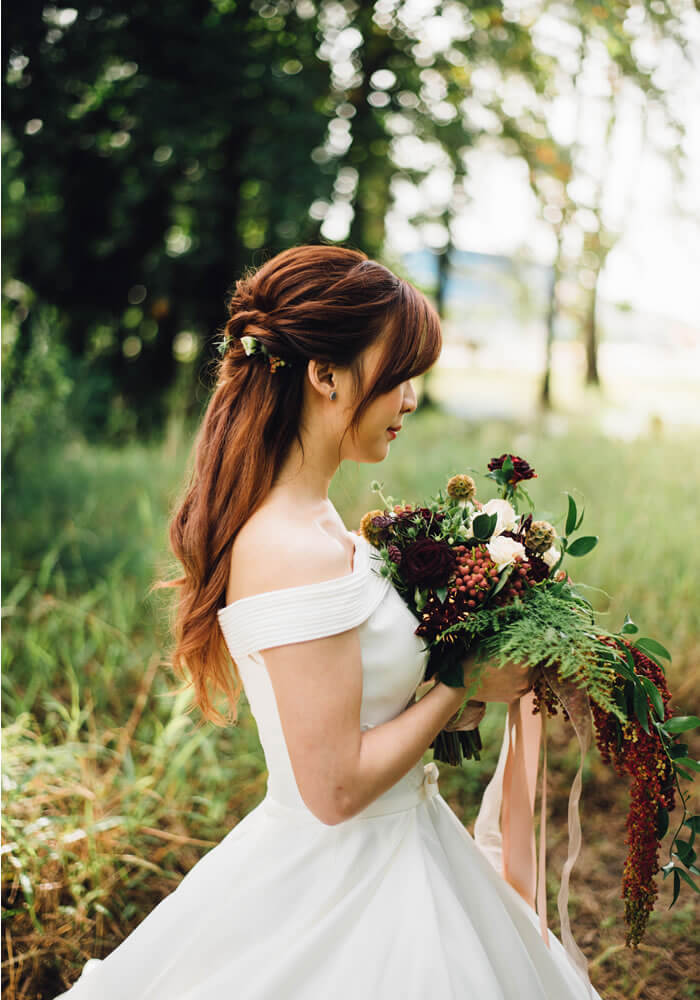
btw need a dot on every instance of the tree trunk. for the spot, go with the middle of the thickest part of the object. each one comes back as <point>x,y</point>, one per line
<point>590,331</point>
<point>427,400</point>
<point>546,391</point>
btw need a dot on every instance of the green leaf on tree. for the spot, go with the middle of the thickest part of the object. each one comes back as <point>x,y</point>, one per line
<point>571,516</point>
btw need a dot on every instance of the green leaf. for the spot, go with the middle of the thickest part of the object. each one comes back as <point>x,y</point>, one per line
<point>441,593</point>
<point>692,838</point>
<point>483,525</point>
<point>582,546</point>
<point>693,822</point>
<point>502,580</point>
<point>580,520</point>
<point>678,750</point>
<point>651,646</point>
<point>661,822</point>
<point>684,850</point>
<point>683,773</point>
<point>629,627</point>
<point>694,765</point>
<point>623,670</point>
<point>681,723</point>
<point>687,878</point>
<point>641,707</point>
<point>571,516</point>
<point>654,697</point>
<point>676,886</point>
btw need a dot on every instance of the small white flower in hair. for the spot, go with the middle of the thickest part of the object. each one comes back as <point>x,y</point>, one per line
<point>250,345</point>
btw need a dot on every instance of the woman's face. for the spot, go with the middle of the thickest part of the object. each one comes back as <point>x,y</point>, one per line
<point>373,438</point>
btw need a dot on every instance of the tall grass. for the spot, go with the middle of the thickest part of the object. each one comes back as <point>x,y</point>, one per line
<point>112,790</point>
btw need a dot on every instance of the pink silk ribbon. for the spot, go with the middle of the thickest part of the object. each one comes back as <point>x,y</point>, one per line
<point>508,803</point>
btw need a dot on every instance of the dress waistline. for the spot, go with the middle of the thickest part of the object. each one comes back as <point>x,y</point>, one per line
<point>419,785</point>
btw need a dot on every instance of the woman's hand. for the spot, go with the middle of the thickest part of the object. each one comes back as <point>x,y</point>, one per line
<point>469,718</point>
<point>504,683</point>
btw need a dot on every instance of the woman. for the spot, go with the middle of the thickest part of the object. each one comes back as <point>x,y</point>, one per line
<point>352,878</point>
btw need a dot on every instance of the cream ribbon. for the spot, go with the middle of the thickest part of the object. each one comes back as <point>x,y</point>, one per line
<point>429,787</point>
<point>509,800</point>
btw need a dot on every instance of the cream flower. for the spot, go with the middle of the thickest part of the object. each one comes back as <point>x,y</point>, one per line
<point>504,550</point>
<point>551,556</point>
<point>505,513</point>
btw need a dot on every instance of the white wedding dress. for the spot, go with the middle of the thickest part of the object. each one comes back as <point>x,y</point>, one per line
<point>397,903</point>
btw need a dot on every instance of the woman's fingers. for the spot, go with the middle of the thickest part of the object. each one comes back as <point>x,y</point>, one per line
<point>469,718</point>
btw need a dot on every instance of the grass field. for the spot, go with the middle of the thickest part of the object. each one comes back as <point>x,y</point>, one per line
<point>112,791</point>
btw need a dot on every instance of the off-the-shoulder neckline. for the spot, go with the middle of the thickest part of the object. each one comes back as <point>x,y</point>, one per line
<point>359,552</point>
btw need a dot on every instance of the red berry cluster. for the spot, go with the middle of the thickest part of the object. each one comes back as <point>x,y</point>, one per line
<point>642,756</point>
<point>518,582</point>
<point>476,573</point>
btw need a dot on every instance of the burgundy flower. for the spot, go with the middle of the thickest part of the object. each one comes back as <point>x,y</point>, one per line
<point>521,469</point>
<point>382,521</point>
<point>428,563</point>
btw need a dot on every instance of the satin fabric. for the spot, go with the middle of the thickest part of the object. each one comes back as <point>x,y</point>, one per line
<point>397,902</point>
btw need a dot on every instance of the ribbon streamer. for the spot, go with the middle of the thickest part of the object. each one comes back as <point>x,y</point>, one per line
<point>504,829</point>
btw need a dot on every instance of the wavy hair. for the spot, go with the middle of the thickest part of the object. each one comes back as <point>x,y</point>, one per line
<point>319,302</point>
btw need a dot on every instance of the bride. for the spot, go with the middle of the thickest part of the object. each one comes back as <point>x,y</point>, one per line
<point>353,878</point>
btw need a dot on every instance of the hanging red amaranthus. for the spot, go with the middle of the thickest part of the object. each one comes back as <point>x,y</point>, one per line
<point>641,754</point>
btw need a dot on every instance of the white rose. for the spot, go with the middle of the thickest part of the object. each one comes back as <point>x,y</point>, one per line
<point>551,556</point>
<point>505,513</point>
<point>504,550</point>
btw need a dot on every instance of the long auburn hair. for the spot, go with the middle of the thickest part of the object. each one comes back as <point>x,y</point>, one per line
<point>320,302</point>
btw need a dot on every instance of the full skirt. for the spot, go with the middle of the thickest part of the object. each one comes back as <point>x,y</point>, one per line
<point>403,905</point>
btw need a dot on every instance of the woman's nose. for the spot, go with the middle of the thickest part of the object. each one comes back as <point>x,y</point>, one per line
<point>410,401</point>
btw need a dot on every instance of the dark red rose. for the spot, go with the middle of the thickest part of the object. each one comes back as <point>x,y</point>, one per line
<point>428,563</point>
<point>521,469</point>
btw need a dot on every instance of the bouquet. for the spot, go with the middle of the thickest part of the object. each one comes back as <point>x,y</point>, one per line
<point>486,580</point>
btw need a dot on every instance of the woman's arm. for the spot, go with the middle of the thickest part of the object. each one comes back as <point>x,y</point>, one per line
<point>339,768</point>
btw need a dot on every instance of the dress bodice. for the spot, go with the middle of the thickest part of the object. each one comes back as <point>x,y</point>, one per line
<point>393,656</point>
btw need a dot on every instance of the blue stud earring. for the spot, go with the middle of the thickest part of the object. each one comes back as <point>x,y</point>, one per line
<point>333,394</point>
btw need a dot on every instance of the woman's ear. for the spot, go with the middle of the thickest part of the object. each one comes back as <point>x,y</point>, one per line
<point>321,375</point>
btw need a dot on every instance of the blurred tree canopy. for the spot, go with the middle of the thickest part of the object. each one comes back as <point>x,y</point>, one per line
<point>149,150</point>
<point>152,154</point>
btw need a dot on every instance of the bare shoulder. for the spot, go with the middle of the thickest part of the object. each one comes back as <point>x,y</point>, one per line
<point>270,553</point>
